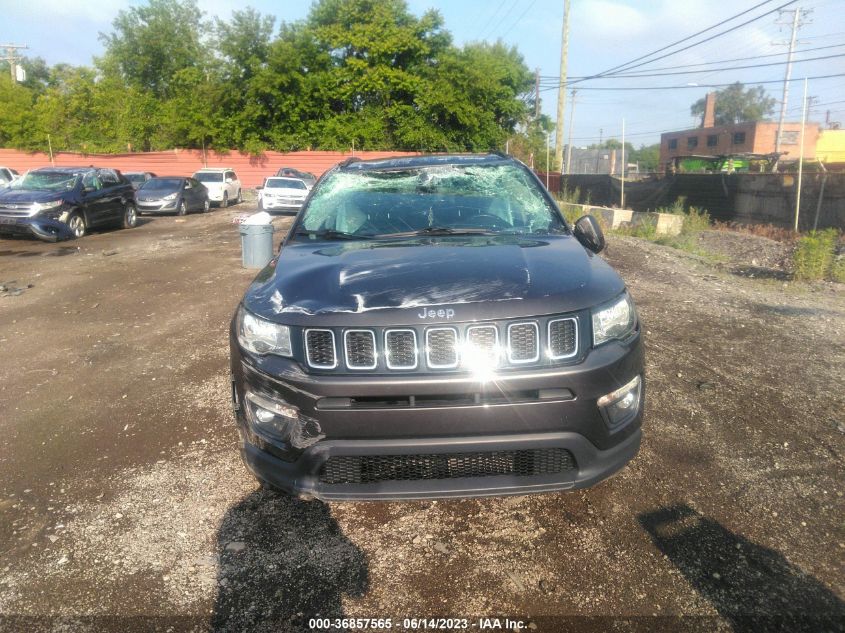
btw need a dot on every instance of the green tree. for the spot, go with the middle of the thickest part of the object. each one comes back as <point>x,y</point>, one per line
<point>647,157</point>
<point>735,104</point>
<point>244,42</point>
<point>151,42</point>
<point>529,142</point>
<point>367,72</point>
<point>17,123</point>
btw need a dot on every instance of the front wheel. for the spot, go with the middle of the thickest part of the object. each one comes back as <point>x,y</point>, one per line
<point>130,217</point>
<point>206,205</point>
<point>183,208</point>
<point>76,224</point>
<point>240,198</point>
<point>225,202</point>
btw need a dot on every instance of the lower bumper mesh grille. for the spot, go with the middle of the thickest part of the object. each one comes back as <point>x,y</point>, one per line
<point>355,469</point>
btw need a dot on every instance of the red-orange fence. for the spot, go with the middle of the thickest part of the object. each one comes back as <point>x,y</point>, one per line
<point>252,170</point>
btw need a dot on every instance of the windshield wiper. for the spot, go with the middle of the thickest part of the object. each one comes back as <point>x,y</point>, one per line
<point>331,234</point>
<point>439,230</point>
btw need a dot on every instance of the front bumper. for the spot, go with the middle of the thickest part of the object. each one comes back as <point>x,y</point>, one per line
<point>282,205</point>
<point>556,420</point>
<point>159,206</point>
<point>45,229</point>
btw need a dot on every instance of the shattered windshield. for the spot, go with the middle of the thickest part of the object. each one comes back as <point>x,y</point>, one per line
<point>451,199</point>
<point>47,181</point>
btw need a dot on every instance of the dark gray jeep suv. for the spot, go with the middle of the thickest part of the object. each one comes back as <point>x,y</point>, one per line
<point>432,327</point>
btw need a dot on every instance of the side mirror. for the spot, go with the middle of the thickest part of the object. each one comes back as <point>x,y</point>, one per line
<point>589,233</point>
<point>229,181</point>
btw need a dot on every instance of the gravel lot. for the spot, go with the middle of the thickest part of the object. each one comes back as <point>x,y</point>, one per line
<point>124,505</point>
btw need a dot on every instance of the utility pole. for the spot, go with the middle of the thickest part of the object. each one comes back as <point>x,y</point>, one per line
<point>797,14</point>
<point>622,194</point>
<point>598,152</point>
<point>536,93</point>
<point>12,57</point>
<point>561,92</point>
<point>800,157</point>
<point>569,142</point>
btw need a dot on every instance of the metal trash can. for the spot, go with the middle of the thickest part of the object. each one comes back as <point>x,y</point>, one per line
<point>256,245</point>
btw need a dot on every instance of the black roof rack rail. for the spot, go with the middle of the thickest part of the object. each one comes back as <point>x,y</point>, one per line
<point>349,161</point>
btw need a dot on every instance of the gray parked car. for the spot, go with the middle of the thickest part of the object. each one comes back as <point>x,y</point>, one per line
<point>177,195</point>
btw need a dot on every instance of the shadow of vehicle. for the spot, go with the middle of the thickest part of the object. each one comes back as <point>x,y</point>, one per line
<point>755,588</point>
<point>283,562</point>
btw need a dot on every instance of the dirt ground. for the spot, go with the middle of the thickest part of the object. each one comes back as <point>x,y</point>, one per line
<point>124,504</point>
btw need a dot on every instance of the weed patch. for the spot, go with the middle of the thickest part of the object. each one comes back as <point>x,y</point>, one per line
<point>814,256</point>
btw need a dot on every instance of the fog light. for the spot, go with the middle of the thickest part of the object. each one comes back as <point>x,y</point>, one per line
<point>281,421</point>
<point>623,404</point>
<point>274,418</point>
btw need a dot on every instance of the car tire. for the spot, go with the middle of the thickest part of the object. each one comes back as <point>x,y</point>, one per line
<point>240,198</point>
<point>130,217</point>
<point>225,202</point>
<point>261,204</point>
<point>183,208</point>
<point>206,205</point>
<point>77,225</point>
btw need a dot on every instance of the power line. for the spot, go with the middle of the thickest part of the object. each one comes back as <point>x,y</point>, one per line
<point>519,19</point>
<point>676,87</point>
<point>710,70</point>
<point>490,18</point>
<point>719,61</point>
<point>504,17</point>
<point>631,64</point>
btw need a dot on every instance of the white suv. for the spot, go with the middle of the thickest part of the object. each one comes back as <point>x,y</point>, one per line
<point>7,176</point>
<point>222,183</point>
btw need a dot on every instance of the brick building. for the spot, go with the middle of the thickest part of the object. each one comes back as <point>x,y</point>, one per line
<point>741,138</point>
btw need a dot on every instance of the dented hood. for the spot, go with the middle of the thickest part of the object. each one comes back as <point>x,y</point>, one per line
<point>442,279</point>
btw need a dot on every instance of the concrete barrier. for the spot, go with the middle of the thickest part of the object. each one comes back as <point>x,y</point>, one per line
<point>611,218</point>
<point>664,223</point>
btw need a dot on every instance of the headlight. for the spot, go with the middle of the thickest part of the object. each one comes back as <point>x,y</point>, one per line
<point>40,207</point>
<point>260,336</point>
<point>614,320</point>
<point>172,196</point>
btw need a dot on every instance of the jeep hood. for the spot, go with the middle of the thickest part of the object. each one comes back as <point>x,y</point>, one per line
<point>390,282</point>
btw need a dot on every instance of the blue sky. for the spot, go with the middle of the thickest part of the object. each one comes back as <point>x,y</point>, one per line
<point>603,34</point>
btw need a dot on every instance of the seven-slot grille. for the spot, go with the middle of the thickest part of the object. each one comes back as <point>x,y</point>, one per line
<point>366,469</point>
<point>444,347</point>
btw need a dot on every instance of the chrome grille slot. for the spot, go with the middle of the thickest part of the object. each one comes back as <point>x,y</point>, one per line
<point>482,345</point>
<point>441,348</point>
<point>563,338</point>
<point>14,211</point>
<point>523,342</point>
<point>360,348</point>
<point>319,349</point>
<point>400,348</point>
